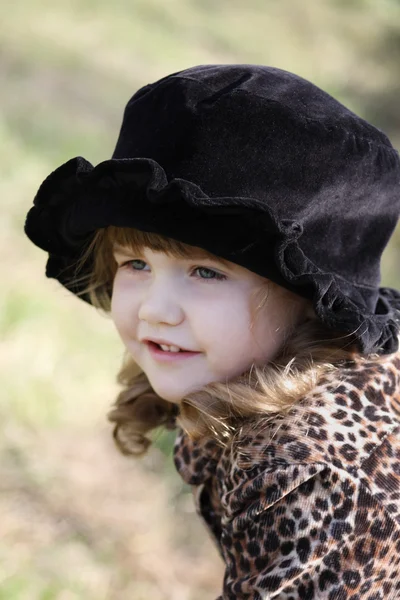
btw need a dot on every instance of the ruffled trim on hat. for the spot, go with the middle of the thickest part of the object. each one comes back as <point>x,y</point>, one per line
<point>376,332</point>
<point>77,198</point>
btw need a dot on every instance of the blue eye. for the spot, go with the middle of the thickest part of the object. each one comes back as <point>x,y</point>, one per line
<point>206,273</point>
<point>136,264</point>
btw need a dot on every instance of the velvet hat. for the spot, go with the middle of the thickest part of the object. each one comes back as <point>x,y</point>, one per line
<point>256,165</point>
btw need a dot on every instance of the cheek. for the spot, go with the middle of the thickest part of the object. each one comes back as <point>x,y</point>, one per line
<point>223,323</point>
<point>123,308</point>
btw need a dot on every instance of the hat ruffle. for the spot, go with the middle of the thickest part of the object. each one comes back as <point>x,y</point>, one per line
<point>77,199</point>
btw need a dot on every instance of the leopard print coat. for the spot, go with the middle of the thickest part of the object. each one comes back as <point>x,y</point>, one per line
<point>313,511</point>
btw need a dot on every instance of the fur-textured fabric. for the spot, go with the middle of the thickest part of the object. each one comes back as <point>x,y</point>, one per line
<point>256,165</point>
<point>309,508</point>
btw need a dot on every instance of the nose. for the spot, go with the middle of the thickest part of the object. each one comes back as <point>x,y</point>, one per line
<point>161,304</point>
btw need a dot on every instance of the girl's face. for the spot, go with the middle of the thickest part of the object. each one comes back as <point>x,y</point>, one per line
<point>203,307</point>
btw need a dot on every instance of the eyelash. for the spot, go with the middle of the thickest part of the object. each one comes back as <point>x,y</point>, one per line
<point>217,276</point>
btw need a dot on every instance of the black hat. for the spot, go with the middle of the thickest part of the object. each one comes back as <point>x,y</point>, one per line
<point>255,165</point>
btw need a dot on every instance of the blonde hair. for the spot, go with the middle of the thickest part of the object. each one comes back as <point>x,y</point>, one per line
<point>219,410</point>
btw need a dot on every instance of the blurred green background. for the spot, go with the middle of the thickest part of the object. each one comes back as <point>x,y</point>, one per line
<point>78,521</point>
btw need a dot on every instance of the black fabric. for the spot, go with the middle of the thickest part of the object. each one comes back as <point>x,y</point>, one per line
<point>256,165</point>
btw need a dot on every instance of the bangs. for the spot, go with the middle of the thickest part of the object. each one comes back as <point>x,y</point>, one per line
<point>120,238</point>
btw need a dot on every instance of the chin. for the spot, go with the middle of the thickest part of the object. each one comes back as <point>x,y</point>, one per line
<point>172,394</point>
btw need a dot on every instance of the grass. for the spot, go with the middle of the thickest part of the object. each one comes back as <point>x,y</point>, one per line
<point>80,522</point>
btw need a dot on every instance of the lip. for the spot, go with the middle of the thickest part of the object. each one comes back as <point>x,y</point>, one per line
<point>167,357</point>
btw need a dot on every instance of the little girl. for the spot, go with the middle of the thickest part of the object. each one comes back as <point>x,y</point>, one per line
<point>235,238</point>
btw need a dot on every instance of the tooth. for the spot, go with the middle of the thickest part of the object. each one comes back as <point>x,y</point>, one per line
<point>169,348</point>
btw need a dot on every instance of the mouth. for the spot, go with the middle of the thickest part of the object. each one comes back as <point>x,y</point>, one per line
<point>165,346</point>
<point>168,352</point>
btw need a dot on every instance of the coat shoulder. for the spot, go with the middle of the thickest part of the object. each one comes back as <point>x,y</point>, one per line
<point>349,416</point>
